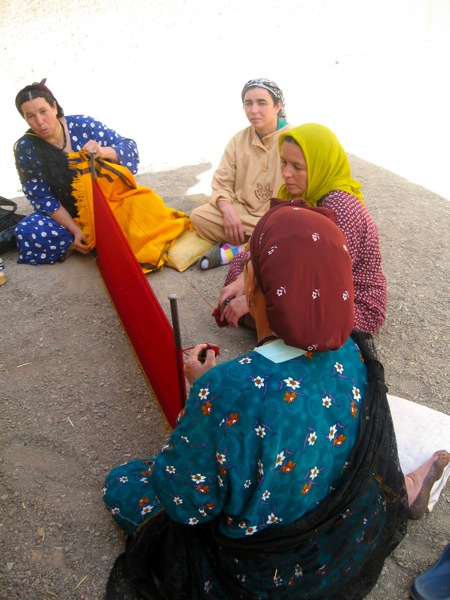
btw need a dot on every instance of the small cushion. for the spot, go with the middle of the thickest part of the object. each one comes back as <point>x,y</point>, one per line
<point>186,250</point>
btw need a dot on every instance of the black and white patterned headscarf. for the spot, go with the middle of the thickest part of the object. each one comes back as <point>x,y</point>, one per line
<point>271,87</point>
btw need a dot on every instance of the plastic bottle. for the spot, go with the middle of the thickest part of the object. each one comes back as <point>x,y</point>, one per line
<point>2,273</point>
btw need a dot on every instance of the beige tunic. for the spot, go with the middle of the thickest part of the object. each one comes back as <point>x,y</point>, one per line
<point>248,176</point>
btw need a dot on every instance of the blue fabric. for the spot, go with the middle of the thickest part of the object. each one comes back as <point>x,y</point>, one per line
<point>39,238</point>
<point>434,583</point>
<point>259,445</point>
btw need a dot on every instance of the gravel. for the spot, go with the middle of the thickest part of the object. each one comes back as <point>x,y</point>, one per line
<point>75,403</point>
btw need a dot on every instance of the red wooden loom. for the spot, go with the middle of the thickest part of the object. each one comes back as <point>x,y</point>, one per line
<point>156,344</point>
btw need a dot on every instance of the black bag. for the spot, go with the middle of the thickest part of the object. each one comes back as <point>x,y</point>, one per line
<point>8,220</point>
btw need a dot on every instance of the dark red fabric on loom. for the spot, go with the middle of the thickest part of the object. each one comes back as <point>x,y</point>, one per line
<point>144,321</point>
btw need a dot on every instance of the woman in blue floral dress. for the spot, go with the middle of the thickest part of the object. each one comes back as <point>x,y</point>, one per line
<point>48,234</point>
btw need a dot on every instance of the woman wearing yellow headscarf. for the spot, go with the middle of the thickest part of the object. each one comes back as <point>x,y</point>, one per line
<point>327,164</point>
<point>316,171</point>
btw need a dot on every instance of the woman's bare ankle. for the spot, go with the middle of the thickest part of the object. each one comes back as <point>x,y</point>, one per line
<point>420,482</point>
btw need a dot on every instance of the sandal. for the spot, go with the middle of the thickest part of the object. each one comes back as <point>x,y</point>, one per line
<point>211,259</point>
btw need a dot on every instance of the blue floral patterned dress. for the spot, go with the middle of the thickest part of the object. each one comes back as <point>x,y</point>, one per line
<point>260,443</point>
<point>41,239</point>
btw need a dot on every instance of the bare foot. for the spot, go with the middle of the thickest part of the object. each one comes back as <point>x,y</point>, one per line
<point>420,482</point>
<point>63,257</point>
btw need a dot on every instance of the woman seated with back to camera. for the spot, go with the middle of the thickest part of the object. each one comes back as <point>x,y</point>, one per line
<point>282,478</point>
<point>316,170</point>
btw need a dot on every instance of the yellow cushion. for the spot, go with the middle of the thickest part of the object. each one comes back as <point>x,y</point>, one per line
<point>186,250</point>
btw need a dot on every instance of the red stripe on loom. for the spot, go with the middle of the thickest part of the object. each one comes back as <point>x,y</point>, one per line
<point>144,321</point>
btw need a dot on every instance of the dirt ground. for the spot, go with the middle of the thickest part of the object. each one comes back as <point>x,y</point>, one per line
<point>74,401</point>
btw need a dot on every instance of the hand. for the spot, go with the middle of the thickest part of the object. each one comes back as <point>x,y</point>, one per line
<point>93,146</point>
<point>232,224</point>
<point>232,290</point>
<point>234,310</point>
<point>193,368</point>
<point>105,152</point>
<point>202,354</point>
<point>80,243</point>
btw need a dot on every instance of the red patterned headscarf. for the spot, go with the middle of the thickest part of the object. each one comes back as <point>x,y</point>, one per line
<point>304,270</point>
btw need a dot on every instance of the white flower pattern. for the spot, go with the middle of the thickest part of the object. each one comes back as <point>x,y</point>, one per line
<point>284,457</point>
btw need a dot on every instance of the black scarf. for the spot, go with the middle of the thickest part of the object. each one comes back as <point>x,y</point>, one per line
<point>55,167</point>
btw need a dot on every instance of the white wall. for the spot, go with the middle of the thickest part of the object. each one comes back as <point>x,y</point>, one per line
<point>169,73</point>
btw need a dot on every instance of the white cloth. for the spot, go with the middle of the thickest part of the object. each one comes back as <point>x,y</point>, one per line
<point>420,432</point>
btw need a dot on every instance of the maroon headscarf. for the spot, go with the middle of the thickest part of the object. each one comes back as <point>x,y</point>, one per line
<point>304,270</point>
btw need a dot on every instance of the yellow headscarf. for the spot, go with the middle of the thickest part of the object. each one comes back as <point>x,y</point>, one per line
<point>326,163</point>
